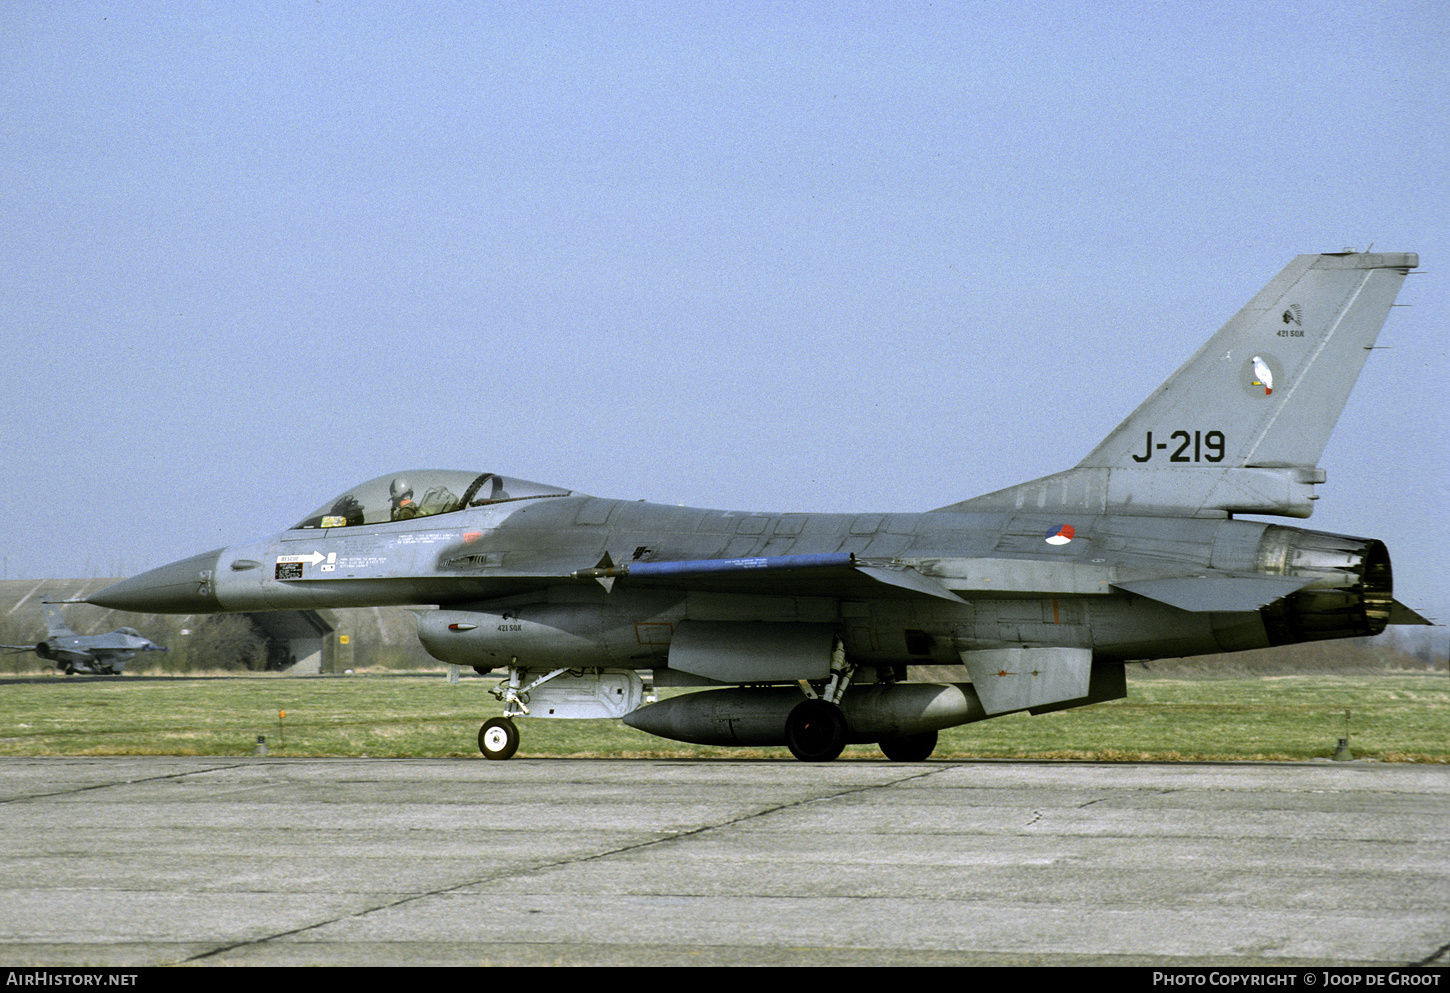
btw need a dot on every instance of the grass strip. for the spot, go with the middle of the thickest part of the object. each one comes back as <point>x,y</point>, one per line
<point>1389,718</point>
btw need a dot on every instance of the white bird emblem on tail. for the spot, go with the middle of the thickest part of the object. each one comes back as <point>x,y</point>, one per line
<point>1265,375</point>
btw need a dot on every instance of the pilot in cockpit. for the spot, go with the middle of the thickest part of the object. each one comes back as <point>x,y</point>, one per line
<point>402,495</point>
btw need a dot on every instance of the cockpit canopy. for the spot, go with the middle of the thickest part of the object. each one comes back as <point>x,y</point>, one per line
<point>401,496</point>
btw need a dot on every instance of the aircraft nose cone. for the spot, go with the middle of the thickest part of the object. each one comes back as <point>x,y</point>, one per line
<point>185,587</point>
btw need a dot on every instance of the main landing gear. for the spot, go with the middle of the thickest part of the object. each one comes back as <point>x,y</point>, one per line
<point>911,748</point>
<point>815,730</point>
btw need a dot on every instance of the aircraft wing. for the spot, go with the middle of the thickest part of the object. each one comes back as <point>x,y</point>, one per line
<point>843,573</point>
<point>833,574</point>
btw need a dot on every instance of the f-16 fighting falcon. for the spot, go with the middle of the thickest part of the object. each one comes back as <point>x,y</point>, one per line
<point>88,654</point>
<point>798,628</point>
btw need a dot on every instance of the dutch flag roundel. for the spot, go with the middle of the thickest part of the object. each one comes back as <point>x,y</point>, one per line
<point>1060,535</point>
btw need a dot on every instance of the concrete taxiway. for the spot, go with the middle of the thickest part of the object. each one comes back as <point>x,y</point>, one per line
<point>225,861</point>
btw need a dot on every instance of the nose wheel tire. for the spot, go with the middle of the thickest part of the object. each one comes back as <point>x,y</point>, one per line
<point>498,738</point>
<point>815,731</point>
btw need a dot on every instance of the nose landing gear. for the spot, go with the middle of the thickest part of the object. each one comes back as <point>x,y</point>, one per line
<point>498,738</point>
<point>560,693</point>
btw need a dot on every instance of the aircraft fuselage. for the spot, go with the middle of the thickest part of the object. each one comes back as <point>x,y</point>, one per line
<point>979,580</point>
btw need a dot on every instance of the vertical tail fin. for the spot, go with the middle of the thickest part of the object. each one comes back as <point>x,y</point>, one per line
<point>1240,427</point>
<point>55,625</point>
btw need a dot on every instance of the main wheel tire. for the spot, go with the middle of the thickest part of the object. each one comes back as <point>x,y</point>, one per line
<point>498,738</point>
<point>815,731</point>
<point>910,748</point>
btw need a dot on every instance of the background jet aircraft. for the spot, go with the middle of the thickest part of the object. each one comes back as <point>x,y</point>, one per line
<point>799,628</point>
<point>94,654</point>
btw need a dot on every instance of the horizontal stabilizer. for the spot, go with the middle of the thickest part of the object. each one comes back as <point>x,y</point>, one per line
<point>1400,614</point>
<point>1235,594</point>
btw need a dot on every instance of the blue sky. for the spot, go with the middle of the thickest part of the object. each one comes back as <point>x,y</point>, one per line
<point>768,256</point>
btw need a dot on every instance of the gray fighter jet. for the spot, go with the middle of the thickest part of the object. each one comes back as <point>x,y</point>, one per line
<point>88,654</point>
<point>798,628</point>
